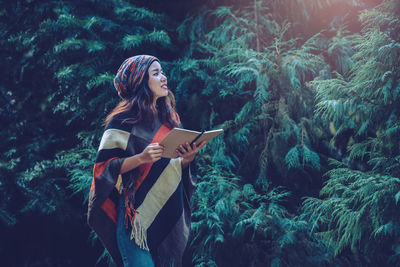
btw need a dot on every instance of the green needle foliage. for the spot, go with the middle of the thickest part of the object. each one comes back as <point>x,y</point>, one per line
<point>357,212</point>
<point>233,225</point>
<point>259,68</point>
<point>358,209</point>
<point>297,89</point>
<point>248,76</point>
<point>60,59</point>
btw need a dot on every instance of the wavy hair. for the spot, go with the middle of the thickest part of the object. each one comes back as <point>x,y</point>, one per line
<point>141,107</point>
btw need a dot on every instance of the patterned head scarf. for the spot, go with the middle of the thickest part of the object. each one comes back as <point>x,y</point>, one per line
<point>131,73</point>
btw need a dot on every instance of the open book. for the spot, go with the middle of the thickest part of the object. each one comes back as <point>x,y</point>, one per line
<point>178,136</point>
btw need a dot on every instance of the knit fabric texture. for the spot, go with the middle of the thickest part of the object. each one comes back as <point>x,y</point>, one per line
<point>131,73</point>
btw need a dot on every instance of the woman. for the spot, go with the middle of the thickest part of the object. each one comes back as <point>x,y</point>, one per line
<point>139,201</point>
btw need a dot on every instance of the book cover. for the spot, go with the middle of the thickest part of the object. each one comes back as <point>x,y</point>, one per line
<point>178,136</point>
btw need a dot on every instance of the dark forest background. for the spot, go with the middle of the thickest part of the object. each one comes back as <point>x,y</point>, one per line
<point>307,172</point>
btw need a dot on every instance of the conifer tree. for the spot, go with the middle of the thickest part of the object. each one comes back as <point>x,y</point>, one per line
<point>56,88</point>
<point>248,75</point>
<point>358,209</point>
<point>254,68</point>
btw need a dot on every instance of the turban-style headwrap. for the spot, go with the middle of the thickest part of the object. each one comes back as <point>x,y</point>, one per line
<point>131,73</point>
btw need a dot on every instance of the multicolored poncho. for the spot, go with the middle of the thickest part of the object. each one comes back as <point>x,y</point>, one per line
<point>161,211</point>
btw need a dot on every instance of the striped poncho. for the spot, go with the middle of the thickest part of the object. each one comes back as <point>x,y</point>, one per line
<point>161,199</point>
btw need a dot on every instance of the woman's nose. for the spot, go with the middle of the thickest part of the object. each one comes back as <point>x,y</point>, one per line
<point>163,77</point>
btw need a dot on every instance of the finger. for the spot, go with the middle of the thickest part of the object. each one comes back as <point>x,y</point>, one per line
<point>155,158</point>
<point>156,154</point>
<point>155,151</point>
<point>195,145</point>
<point>188,147</point>
<point>153,145</point>
<point>183,149</point>
<point>203,143</point>
<point>179,153</point>
<point>158,147</point>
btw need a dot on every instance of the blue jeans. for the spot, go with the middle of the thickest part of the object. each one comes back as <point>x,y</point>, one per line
<point>132,254</point>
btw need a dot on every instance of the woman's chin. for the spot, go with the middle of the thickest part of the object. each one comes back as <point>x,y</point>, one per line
<point>163,94</point>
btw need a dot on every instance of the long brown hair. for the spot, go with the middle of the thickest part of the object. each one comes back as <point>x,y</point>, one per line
<point>141,107</point>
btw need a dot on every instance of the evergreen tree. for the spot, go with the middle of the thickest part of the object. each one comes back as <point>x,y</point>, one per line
<point>56,88</point>
<point>259,70</point>
<point>248,75</point>
<point>357,211</point>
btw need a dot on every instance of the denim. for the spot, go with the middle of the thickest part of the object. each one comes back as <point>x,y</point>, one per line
<point>132,255</point>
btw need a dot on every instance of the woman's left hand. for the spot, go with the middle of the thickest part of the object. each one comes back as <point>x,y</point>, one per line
<point>188,152</point>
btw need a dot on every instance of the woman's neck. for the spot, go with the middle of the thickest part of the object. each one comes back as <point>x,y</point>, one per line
<point>155,106</point>
<point>155,102</point>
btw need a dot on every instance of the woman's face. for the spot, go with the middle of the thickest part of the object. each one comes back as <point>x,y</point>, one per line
<point>157,80</point>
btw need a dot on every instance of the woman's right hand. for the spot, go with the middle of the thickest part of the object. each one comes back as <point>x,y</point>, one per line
<point>151,153</point>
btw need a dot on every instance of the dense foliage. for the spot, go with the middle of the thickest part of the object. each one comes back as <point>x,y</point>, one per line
<point>307,172</point>
<point>56,90</point>
<point>360,198</point>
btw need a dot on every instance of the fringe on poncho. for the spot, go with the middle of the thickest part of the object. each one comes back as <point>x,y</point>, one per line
<point>159,220</point>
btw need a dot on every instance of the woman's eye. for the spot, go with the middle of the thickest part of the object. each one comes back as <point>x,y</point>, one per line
<point>158,73</point>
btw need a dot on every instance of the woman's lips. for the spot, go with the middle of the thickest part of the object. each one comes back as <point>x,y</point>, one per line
<point>165,87</point>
